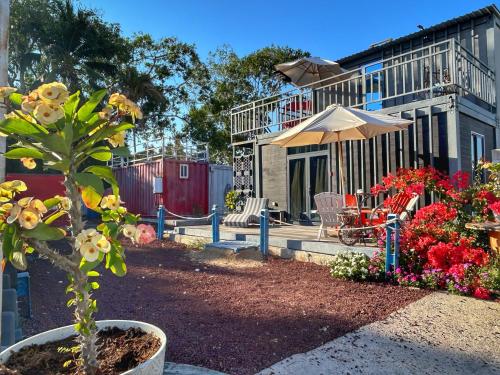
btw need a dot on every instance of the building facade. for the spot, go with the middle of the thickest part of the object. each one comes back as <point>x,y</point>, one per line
<point>442,78</point>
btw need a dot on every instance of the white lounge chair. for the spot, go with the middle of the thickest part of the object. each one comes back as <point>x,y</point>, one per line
<point>250,214</point>
<point>328,206</point>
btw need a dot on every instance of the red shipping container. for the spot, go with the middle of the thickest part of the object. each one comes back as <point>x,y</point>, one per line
<point>40,186</point>
<point>185,194</point>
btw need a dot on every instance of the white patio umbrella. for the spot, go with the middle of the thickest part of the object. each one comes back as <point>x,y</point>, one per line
<point>336,124</point>
<point>309,70</point>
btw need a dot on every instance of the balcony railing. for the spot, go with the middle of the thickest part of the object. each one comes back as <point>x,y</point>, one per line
<point>439,69</point>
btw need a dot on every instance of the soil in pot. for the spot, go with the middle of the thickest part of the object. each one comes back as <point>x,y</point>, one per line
<point>119,351</point>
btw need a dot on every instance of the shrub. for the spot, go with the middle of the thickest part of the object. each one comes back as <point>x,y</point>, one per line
<point>350,266</point>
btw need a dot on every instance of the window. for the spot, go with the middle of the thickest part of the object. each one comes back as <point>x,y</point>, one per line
<point>477,150</point>
<point>373,80</point>
<point>184,171</point>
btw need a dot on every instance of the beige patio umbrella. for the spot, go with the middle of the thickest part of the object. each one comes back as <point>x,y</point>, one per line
<point>336,124</point>
<point>308,70</point>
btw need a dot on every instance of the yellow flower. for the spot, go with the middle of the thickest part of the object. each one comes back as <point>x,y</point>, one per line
<point>117,99</point>
<point>14,214</point>
<point>29,163</point>
<point>25,202</point>
<point>29,218</point>
<point>110,201</point>
<point>48,113</point>
<point>38,206</point>
<point>30,101</point>
<point>101,243</point>
<point>64,202</point>
<point>5,91</point>
<point>5,195</point>
<point>118,139</point>
<point>105,114</point>
<point>14,185</point>
<point>53,93</point>
<point>84,237</point>
<point>129,231</point>
<point>89,252</point>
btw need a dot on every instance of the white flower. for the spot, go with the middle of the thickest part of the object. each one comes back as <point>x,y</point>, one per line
<point>89,252</point>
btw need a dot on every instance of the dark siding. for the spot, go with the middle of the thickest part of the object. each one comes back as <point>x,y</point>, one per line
<point>468,125</point>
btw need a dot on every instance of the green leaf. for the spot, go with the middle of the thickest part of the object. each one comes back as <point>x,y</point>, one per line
<point>19,260</point>
<point>85,111</point>
<point>71,105</point>
<point>44,232</point>
<point>16,98</point>
<point>54,217</point>
<point>94,285</point>
<point>115,263</point>
<point>56,142</point>
<point>21,127</point>
<point>93,274</point>
<point>18,153</point>
<point>90,197</point>
<point>51,202</point>
<point>106,174</point>
<point>8,239</point>
<point>89,266</point>
<point>121,151</point>
<point>88,179</point>
<point>101,153</point>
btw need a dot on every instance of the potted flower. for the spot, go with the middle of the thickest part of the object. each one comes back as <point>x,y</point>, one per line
<point>54,128</point>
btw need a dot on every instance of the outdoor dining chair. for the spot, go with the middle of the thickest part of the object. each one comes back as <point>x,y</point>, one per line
<point>328,206</point>
<point>401,204</point>
<point>250,214</point>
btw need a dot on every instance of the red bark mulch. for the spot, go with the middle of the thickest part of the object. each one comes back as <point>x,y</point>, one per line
<point>235,320</point>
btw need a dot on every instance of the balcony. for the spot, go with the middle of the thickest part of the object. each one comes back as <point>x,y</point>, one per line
<point>439,69</point>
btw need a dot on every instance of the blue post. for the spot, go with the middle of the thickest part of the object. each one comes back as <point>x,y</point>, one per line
<point>396,243</point>
<point>264,231</point>
<point>215,224</point>
<point>160,227</point>
<point>392,257</point>
<point>388,246</point>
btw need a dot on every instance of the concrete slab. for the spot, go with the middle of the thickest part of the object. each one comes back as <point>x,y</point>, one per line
<point>439,334</point>
<point>180,369</point>
<point>235,246</point>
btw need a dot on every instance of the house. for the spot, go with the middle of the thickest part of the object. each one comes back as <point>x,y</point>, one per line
<point>441,77</point>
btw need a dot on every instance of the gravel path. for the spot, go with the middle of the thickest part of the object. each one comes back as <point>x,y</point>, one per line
<point>439,334</point>
<point>231,319</point>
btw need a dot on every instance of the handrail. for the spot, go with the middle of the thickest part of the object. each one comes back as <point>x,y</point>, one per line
<point>438,69</point>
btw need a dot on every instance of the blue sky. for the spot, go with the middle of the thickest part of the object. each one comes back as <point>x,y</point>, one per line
<point>329,29</point>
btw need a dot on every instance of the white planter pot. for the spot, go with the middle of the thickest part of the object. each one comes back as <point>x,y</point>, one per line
<point>153,366</point>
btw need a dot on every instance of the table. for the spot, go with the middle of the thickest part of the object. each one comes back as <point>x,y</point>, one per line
<point>493,230</point>
<point>280,213</point>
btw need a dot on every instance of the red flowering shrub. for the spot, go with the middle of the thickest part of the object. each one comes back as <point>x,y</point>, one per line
<point>436,250</point>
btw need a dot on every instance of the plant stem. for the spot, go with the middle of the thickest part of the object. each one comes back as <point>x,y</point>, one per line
<point>87,327</point>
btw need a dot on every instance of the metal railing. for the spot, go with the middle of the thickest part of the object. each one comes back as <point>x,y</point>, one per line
<point>439,69</point>
<point>166,147</point>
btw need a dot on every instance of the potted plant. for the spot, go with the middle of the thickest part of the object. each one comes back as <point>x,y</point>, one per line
<point>52,127</point>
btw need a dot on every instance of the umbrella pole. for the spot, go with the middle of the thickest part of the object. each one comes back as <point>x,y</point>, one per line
<point>341,162</point>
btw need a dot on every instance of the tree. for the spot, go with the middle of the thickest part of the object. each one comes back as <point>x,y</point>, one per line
<point>235,81</point>
<point>54,40</point>
<point>165,76</point>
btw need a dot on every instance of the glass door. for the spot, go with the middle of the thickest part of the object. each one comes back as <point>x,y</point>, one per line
<point>318,181</point>
<point>308,176</point>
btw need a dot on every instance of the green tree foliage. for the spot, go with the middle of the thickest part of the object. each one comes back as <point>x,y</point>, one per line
<point>235,80</point>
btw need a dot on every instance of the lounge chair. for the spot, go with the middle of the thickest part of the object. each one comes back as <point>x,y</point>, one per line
<point>250,214</point>
<point>328,206</point>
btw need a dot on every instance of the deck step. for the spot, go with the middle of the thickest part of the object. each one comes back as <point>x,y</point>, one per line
<point>235,246</point>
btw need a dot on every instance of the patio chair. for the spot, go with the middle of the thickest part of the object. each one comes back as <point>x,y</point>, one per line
<point>401,204</point>
<point>328,206</point>
<point>250,214</point>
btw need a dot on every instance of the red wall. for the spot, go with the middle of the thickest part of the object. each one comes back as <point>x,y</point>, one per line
<point>41,186</point>
<point>181,196</point>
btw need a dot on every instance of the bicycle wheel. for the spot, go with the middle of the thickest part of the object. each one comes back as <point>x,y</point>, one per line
<point>347,235</point>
